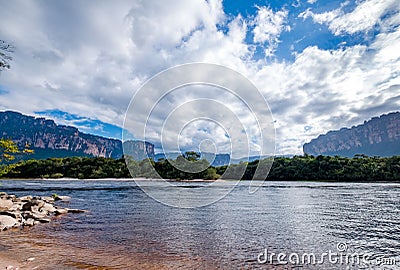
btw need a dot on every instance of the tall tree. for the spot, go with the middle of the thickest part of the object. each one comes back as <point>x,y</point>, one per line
<point>9,149</point>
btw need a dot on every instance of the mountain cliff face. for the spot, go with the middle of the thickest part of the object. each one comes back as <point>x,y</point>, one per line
<point>379,136</point>
<point>48,139</point>
<point>139,150</point>
<point>214,159</point>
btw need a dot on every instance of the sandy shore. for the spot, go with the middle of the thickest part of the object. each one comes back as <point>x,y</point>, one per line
<point>9,263</point>
<point>6,263</point>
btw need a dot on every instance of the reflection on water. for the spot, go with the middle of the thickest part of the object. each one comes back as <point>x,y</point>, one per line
<point>125,229</point>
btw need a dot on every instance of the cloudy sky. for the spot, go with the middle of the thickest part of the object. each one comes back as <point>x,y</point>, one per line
<point>320,64</point>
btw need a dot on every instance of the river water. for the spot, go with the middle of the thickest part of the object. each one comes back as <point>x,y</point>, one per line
<point>126,229</point>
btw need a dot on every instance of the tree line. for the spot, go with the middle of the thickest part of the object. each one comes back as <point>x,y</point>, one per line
<point>304,168</point>
<point>330,168</point>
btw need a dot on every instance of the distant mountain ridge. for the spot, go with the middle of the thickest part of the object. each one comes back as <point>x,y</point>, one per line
<point>379,136</point>
<point>214,159</point>
<point>48,139</point>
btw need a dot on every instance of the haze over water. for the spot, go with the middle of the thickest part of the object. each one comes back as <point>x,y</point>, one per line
<point>125,229</point>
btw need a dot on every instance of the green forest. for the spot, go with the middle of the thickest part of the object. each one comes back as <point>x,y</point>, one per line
<point>304,168</point>
<point>189,166</point>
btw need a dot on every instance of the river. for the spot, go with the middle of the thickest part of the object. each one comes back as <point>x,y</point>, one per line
<point>126,229</point>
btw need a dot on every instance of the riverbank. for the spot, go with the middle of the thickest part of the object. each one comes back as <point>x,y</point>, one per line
<point>10,262</point>
<point>7,263</point>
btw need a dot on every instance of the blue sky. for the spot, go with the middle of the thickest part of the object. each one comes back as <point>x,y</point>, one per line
<point>92,126</point>
<point>304,31</point>
<point>321,65</point>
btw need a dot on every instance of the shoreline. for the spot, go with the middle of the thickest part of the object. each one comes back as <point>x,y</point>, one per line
<point>6,262</point>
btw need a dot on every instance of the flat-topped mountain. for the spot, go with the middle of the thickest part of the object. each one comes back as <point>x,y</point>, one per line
<point>48,139</point>
<point>379,136</point>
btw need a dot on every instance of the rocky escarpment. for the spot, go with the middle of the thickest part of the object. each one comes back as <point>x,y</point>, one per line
<point>138,150</point>
<point>28,210</point>
<point>48,139</point>
<point>379,136</point>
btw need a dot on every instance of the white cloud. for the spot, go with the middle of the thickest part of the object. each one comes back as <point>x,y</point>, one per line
<point>325,17</point>
<point>268,26</point>
<point>325,89</point>
<point>364,17</point>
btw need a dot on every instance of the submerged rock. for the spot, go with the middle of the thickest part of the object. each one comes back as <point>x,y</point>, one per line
<point>28,210</point>
<point>60,211</point>
<point>44,220</point>
<point>61,198</point>
<point>75,211</point>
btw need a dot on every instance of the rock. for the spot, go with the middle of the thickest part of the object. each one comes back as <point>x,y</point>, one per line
<point>34,215</point>
<point>27,211</point>
<point>40,203</point>
<point>5,204</point>
<point>17,206</point>
<point>60,211</point>
<point>44,220</point>
<point>48,199</point>
<point>75,211</point>
<point>26,198</point>
<point>7,222</point>
<point>64,198</point>
<point>27,206</point>
<point>29,222</point>
<point>15,215</point>
<point>48,208</point>
<point>35,209</point>
<point>30,259</point>
<point>5,196</point>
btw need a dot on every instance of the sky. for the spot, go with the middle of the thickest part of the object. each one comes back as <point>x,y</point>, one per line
<point>320,65</point>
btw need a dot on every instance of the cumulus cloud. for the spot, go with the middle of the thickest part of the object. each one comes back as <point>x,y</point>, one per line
<point>268,27</point>
<point>324,89</point>
<point>325,17</point>
<point>364,17</point>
